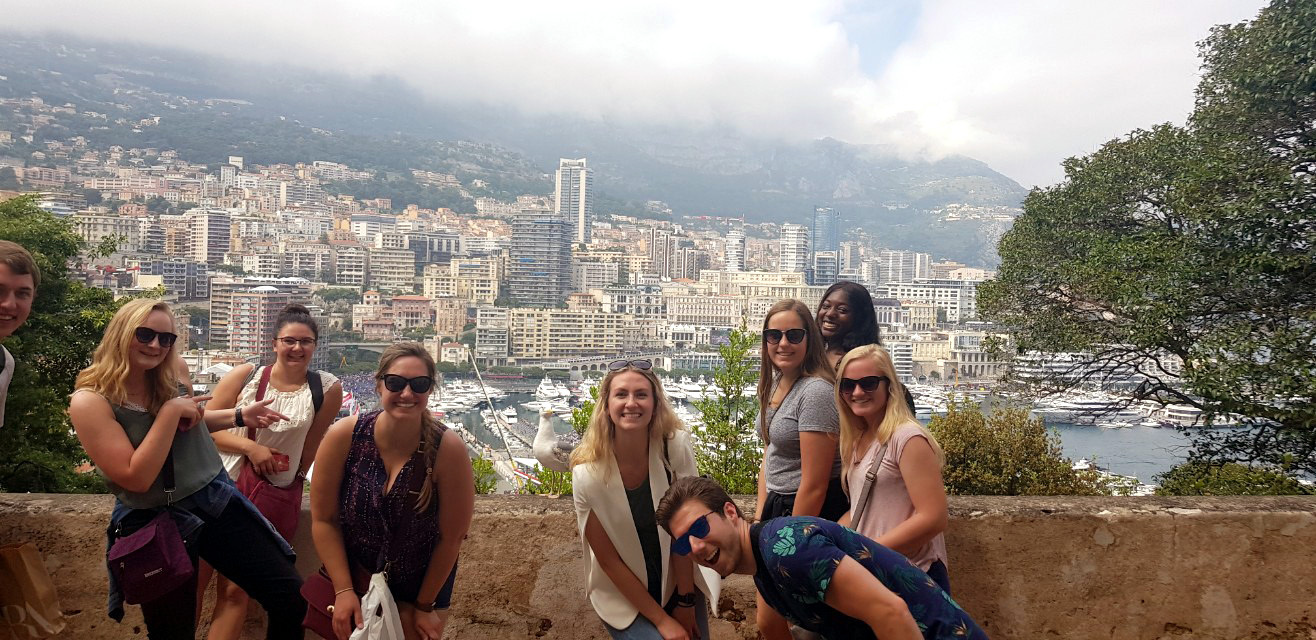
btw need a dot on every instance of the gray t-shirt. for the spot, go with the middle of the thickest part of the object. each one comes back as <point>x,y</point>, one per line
<point>6,375</point>
<point>809,406</point>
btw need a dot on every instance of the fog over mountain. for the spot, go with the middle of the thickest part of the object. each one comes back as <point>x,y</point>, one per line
<point>695,170</point>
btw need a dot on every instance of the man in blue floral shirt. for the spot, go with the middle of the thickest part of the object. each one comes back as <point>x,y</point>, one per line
<point>817,574</point>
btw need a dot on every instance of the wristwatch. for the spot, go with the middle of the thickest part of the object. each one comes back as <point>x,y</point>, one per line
<point>424,607</point>
<point>684,599</point>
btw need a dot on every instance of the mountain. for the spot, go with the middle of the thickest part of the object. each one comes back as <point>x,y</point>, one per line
<point>384,123</point>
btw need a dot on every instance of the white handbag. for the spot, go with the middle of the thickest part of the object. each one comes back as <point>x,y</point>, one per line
<point>382,621</point>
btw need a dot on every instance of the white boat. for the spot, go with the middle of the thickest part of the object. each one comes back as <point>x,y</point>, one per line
<point>509,413</point>
<point>546,389</point>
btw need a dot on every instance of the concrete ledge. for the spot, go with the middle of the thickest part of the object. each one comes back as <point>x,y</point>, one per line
<point>1057,567</point>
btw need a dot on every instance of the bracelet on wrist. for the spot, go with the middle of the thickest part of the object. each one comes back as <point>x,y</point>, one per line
<point>425,607</point>
<point>342,591</point>
<point>684,599</point>
<point>237,417</point>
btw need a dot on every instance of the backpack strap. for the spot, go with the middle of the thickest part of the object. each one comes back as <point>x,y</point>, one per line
<point>317,389</point>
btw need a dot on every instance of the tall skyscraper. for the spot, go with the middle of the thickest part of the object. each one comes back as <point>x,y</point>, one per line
<point>209,231</point>
<point>826,231</point>
<point>903,266</point>
<point>574,199</point>
<point>735,249</point>
<point>252,317</point>
<point>850,254</point>
<point>824,268</point>
<point>794,254</point>
<point>662,248</point>
<point>539,270</point>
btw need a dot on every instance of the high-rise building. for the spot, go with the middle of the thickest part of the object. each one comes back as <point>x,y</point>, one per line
<point>850,256</point>
<point>539,272</point>
<point>574,199</point>
<point>826,230</point>
<point>392,270</point>
<point>794,252</point>
<point>662,248</point>
<point>210,231</point>
<point>824,268</point>
<point>735,249</point>
<point>223,289</point>
<point>903,266</point>
<point>253,314</point>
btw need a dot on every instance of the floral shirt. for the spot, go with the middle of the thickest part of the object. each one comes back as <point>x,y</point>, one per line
<point>796,557</point>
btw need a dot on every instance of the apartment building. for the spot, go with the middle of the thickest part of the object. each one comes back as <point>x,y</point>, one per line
<point>392,270</point>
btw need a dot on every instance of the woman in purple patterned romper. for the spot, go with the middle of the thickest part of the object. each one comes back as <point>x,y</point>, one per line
<point>355,515</point>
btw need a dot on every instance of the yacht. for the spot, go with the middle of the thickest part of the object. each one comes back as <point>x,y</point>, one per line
<point>546,390</point>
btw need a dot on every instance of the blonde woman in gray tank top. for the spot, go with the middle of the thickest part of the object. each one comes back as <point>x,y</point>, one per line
<point>905,505</point>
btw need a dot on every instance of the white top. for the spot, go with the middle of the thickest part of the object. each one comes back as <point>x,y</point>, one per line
<point>6,375</point>
<point>596,487</point>
<point>287,436</point>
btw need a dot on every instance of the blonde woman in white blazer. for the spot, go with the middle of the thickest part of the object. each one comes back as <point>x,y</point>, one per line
<point>634,447</point>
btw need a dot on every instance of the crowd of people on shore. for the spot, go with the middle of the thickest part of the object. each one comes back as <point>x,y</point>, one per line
<point>847,540</point>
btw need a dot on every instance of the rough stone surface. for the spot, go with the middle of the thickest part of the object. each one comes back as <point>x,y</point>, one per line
<point>1109,568</point>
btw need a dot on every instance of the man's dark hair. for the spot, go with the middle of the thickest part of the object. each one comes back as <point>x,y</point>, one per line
<point>20,261</point>
<point>706,490</point>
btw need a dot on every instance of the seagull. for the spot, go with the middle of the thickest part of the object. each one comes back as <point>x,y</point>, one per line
<point>549,451</point>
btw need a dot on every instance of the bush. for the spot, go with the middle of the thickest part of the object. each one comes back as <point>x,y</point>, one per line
<point>1007,454</point>
<point>486,479</point>
<point>1198,478</point>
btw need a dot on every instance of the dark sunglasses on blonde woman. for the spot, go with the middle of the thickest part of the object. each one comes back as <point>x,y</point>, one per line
<point>868,383</point>
<point>145,335</point>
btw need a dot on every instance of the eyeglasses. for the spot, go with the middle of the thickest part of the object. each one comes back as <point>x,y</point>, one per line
<point>145,335</point>
<point>698,529</point>
<point>291,342</point>
<point>642,365</point>
<point>794,336</point>
<point>868,383</point>
<point>396,383</point>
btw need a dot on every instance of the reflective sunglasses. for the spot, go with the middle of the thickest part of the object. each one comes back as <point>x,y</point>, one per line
<point>642,365</point>
<point>291,342</point>
<point>145,335</point>
<point>698,529</point>
<point>794,336</point>
<point>868,383</point>
<point>396,383</point>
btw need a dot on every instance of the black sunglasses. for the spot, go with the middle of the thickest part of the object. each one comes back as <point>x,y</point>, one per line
<point>794,336</point>
<point>698,529</point>
<point>396,383</point>
<point>145,335</point>
<point>868,383</point>
<point>642,365</point>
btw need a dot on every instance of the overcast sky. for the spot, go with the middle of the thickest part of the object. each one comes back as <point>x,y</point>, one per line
<point>1018,84</point>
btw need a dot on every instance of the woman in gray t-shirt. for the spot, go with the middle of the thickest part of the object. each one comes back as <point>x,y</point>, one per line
<point>801,473</point>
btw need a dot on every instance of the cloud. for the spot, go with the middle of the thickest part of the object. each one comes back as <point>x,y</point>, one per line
<point>1020,85</point>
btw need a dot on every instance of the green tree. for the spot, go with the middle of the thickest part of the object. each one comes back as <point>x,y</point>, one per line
<point>729,448</point>
<point>9,179</point>
<point>486,479</point>
<point>67,321</point>
<point>1186,254</point>
<point>1007,454</point>
<point>1197,478</point>
<point>336,294</point>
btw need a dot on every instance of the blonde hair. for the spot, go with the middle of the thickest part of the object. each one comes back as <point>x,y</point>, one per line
<point>815,356</point>
<point>110,364</point>
<point>897,413</point>
<point>429,425</point>
<point>598,442</point>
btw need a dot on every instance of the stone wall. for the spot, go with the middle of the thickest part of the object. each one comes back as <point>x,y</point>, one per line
<point>1110,568</point>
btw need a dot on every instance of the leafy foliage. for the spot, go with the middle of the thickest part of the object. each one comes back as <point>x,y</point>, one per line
<point>729,449</point>
<point>67,321</point>
<point>1196,478</point>
<point>486,479</point>
<point>1007,454</point>
<point>336,294</point>
<point>1186,254</point>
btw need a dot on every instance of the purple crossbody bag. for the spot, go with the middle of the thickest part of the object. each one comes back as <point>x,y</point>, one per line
<point>152,561</point>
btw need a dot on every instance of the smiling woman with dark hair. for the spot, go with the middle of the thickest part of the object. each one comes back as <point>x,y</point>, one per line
<point>846,319</point>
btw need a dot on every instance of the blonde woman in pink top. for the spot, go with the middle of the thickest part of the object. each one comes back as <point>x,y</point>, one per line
<point>905,505</point>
